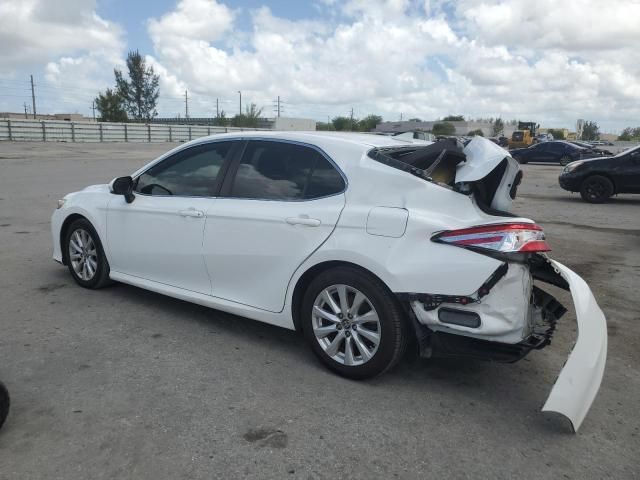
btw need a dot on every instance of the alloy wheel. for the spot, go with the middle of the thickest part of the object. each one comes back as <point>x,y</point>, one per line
<point>595,190</point>
<point>346,325</point>
<point>83,254</point>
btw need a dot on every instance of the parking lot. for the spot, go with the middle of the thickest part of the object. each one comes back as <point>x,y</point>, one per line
<point>125,383</point>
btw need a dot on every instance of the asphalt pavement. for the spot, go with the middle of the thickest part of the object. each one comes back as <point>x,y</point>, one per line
<point>125,383</point>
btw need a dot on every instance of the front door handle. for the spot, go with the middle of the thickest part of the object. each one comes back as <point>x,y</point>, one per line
<point>309,222</point>
<point>191,212</point>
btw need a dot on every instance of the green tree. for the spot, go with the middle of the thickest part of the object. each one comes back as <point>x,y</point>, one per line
<point>443,128</point>
<point>415,120</point>
<point>342,123</point>
<point>221,119</point>
<point>558,134</point>
<point>110,106</point>
<point>453,118</point>
<point>478,132</point>
<point>140,93</point>
<point>368,123</point>
<point>498,127</point>
<point>630,133</point>
<point>249,118</point>
<point>590,131</point>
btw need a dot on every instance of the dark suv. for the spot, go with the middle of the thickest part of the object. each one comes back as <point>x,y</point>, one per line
<point>598,179</point>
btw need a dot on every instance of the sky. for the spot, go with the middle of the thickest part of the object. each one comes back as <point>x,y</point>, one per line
<point>546,61</point>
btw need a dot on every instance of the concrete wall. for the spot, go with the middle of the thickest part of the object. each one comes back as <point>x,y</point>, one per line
<point>284,123</point>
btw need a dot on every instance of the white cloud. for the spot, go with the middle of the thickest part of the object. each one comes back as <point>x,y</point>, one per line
<point>542,61</point>
<point>75,48</point>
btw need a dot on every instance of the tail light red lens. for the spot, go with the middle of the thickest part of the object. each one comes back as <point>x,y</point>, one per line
<point>503,237</point>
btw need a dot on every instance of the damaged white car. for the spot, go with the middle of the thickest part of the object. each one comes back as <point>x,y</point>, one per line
<point>364,243</point>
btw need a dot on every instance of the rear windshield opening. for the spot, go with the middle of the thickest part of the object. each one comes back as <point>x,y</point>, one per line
<point>436,162</point>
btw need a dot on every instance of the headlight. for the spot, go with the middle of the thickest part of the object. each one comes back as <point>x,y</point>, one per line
<point>572,166</point>
<point>61,203</point>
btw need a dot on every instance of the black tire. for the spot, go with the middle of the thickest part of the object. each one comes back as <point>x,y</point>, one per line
<point>565,160</point>
<point>5,402</point>
<point>392,325</point>
<point>100,277</point>
<point>596,189</point>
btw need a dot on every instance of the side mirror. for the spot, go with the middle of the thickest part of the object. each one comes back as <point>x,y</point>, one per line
<point>123,186</point>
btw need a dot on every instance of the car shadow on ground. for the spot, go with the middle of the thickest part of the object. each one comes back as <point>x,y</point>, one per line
<point>576,199</point>
<point>473,385</point>
<point>465,378</point>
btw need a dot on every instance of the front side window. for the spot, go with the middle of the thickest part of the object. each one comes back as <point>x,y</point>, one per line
<point>190,173</point>
<point>284,171</point>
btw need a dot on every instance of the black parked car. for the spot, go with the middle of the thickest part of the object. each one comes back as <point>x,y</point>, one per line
<point>599,178</point>
<point>557,151</point>
<point>593,148</point>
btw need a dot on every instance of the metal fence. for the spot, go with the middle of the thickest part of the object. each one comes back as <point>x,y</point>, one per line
<point>63,131</point>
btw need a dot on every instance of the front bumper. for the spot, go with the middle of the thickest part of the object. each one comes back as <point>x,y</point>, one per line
<point>569,182</point>
<point>56,225</point>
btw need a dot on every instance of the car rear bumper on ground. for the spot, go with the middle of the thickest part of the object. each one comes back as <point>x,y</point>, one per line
<point>522,326</point>
<point>580,378</point>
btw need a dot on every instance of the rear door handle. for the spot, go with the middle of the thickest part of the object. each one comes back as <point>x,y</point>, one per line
<point>191,212</point>
<point>309,222</point>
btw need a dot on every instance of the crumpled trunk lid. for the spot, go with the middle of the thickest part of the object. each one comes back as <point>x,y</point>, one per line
<point>490,174</point>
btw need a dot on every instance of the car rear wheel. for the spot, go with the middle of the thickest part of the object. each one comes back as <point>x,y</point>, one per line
<point>596,189</point>
<point>353,323</point>
<point>85,257</point>
<point>565,160</point>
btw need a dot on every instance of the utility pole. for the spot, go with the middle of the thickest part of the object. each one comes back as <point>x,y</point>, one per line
<point>33,98</point>
<point>351,117</point>
<point>186,104</point>
<point>400,116</point>
<point>217,109</point>
<point>276,106</point>
<point>240,93</point>
<point>93,107</point>
<point>25,109</point>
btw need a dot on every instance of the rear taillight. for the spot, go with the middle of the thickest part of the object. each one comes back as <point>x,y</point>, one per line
<point>504,238</point>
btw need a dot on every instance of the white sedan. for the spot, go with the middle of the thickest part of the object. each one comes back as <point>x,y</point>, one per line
<point>364,243</point>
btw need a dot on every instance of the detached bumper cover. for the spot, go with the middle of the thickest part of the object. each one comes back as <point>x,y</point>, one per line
<point>580,378</point>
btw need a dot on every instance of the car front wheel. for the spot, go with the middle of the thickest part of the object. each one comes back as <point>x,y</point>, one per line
<point>353,323</point>
<point>596,189</point>
<point>85,257</point>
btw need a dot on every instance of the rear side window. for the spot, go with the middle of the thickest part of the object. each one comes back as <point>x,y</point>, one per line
<point>189,173</point>
<point>284,171</point>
